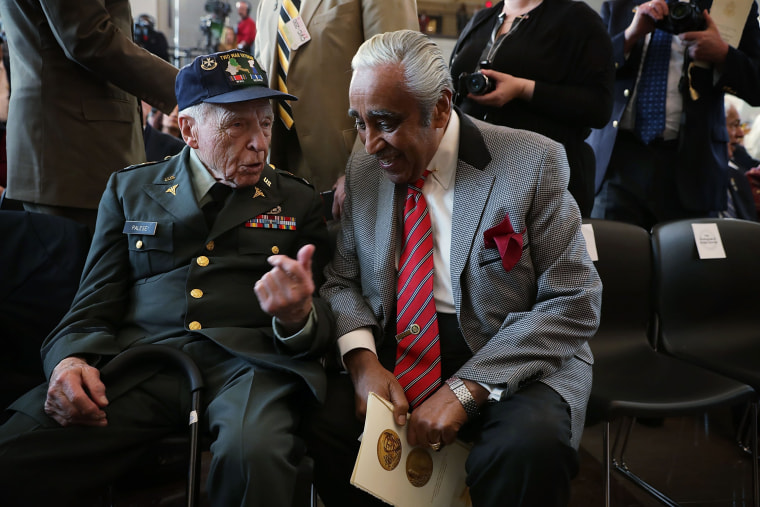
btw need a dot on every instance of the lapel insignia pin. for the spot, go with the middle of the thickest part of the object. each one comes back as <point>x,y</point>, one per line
<point>258,193</point>
<point>172,189</point>
<point>266,180</point>
<point>169,178</point>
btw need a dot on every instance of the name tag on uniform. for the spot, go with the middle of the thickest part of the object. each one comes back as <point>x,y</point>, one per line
<point>147,228</point>
<point>272,222</point>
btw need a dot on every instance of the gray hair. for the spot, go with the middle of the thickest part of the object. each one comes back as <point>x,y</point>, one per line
<point>200,111</point>
<point>425,71</point>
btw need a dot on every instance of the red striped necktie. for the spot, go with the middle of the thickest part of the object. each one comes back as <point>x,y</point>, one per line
<point>418,351</point>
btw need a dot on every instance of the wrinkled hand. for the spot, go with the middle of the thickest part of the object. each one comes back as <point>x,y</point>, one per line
<point>368,375</point>
<point>437,420</point>
<point>643,21</point>
<point>507,88</point>
<point>339,197</point>
<point>706,45</point>
<point>285,292</point>
<point>76,396</point>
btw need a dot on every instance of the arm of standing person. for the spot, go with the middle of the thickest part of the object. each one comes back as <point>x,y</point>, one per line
<point>89,36</point>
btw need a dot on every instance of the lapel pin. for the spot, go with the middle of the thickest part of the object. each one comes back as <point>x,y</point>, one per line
<point>258,193</point>
<point>169,178</point>
<point>172,189</point>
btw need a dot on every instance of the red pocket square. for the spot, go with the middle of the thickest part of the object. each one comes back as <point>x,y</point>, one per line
<point>509,243</point>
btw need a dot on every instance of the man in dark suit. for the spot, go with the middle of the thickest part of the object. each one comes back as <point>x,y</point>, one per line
<point>74,115</point>
<point>233,291</point>
<point>681,171</point>
<point>509,287</point>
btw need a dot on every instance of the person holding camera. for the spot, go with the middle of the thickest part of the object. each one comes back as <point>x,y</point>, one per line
<point>663,155</point>
<point>540,65</point>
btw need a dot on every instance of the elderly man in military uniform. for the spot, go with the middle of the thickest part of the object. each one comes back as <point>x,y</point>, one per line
<point>212,252</point>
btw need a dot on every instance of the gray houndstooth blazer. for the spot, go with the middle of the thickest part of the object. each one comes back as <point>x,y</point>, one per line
<point>528,324</point>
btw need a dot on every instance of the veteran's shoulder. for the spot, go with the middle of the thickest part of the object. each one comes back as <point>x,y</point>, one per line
<point>291,176</point>
<point>139,166</point>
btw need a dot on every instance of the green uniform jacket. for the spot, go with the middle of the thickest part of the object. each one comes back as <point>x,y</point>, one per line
<point>139,287</point>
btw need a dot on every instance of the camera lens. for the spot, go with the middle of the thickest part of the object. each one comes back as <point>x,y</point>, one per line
<point>477,83</point>
<point>680,10</point>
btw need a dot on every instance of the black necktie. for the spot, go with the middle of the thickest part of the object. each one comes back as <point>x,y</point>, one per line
<point>219,193</point>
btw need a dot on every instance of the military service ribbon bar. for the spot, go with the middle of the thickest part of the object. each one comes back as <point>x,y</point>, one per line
<point>272,222</point>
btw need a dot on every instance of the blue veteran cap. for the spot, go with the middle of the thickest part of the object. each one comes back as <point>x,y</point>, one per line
<point>223,78</point>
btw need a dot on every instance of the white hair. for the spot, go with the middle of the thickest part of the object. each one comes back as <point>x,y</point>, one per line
<point>426,74</point>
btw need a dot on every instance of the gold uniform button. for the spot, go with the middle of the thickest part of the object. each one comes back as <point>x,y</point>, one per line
<point>194,325</point>
<point>275,250</point>
<point>210,246</point>
<point>196,293</point>
<point>139,244</point>
<point>202,261</point>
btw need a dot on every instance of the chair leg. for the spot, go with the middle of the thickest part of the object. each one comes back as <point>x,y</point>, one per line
<point>607,460</point>
<point>622,467</point>
<point>753,443</point>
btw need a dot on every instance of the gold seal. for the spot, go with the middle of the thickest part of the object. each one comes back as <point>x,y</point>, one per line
<point>419,467</point>
<point>389,449</point>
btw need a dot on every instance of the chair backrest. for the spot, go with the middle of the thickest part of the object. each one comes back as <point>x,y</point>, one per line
<point>705,306</point>
<point>625,267</point>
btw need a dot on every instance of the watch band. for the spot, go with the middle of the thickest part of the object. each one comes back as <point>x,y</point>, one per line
<point>464,396</point>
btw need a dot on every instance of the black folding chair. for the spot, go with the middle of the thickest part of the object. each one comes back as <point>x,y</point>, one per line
<point>708,308</point>
<point>631,379</point>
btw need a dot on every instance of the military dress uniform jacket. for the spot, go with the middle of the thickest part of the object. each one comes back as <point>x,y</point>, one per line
<point>526,324</point>
<point>74,114</point>
<point>182,280</point>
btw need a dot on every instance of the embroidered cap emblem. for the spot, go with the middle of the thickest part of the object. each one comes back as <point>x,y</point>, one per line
<point>208,63</point>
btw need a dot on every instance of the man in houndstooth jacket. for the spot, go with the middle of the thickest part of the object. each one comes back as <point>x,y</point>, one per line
<point>516,294</point>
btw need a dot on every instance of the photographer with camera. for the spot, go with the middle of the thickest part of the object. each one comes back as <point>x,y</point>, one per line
<point>540,65</point>
<point>146,36</point>
<point>663,155</point>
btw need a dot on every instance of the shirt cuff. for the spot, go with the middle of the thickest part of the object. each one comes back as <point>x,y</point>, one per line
<point>361,338</point>
<point>495,392</point>
<point>301,339</point>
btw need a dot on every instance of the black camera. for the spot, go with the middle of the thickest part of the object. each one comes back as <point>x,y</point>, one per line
<point>217,8</point>
<point>476,83</point>
<point>682,17</point>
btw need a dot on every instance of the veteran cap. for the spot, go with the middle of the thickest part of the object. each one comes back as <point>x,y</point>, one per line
<point>223,78</point>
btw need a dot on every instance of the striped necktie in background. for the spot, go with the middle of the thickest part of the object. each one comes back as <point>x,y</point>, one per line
<point>288,10</point>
